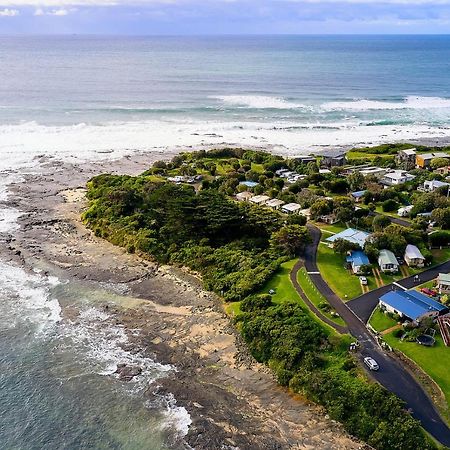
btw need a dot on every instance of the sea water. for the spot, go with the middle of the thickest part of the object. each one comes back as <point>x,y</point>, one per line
<point>75,98</point>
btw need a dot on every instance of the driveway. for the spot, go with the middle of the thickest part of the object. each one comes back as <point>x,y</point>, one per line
<point>392,374</point>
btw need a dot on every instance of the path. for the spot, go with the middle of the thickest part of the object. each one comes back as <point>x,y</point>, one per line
<point>392,374</point>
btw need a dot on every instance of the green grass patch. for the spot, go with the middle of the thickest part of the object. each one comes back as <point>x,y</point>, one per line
<point>432,360</point>
<point>331,266</point>
<point>315,296</point>
<point>381,321</point>
<point>440,255</point>
<point>331,229</point>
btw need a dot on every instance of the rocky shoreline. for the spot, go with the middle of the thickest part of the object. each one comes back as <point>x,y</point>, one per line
<point>233,401</point>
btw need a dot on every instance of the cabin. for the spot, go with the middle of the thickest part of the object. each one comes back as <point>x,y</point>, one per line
<point>306,212</point>
<point>329,219</point>
<point>388,262</point>
<point>275,203</point>
<point>259,199</point>
<point>356,260</point>
<point>377,172</point>
<point>333,159</point>
<point>244,196</point>
<point>411,305</point>
<point>291,208</point>
<point>443,283</point>
<point>413,256</point>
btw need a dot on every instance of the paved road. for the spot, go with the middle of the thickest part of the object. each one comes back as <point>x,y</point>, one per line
<point>397,220</point>
<point>392,374</point>
<point>363,305</point>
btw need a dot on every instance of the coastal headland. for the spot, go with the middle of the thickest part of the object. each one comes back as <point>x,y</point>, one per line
<point>232,400</point>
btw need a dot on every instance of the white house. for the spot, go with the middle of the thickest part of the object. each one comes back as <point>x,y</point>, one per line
<point>405,211</point>
<point>275,203</point>
<point>244,196</point>
<point>413,256</point>
<point>373,171</point>
<point>291,208</point>
<point>432,185</point>
<point>306,212</point>
<point>387,261</point>
<point>396,177</point>
<point>260,199</point>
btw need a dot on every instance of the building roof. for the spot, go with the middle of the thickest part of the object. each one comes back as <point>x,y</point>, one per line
<point>249,184</point>
<point>387,257</point>
<point>351,235</point>
<point>434,184</point>
<point>358,194</point>
<point>358,258</point>
<point>259,198</point>
<point>245,194</point>
<point>409,151</point>
<point>397,175</point>
<point>444,278</point>
<point>291,207</point>
<point>412,252</point>
<point>427,156</point>
<point>274,203</point>
<point>406,208</point>
<point>411,303</point>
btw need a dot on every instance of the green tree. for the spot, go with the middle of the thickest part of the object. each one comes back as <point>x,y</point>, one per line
<point>436,163</point>
<point>380,222</point>
<point>291,240</point>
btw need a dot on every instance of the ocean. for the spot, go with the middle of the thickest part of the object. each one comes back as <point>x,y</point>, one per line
<point>89,98</point>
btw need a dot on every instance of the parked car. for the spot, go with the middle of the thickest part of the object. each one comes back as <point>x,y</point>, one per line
<point>371,363</point>
<point>363,280</point>
<point>429,292</point>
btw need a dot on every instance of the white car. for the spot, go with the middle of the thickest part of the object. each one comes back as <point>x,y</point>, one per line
<point>371,363</point>
<point>363,280</point>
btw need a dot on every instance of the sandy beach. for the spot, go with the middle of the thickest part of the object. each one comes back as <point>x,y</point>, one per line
<point>233,401</point>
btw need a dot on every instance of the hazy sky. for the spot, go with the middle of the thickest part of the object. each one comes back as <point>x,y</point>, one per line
<point>224,16</point>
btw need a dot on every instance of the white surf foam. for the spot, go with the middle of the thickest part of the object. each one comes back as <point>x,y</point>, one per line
<point>410,102</point>
<point>26,298</point>
<point>176,416</point>
<point>257,102</point>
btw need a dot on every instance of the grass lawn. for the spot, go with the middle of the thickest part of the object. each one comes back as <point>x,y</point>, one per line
<point>284,292</point>
<point>381,321</point>
<point>440,256</point>
<point>330,229</point>
<point>433,360</point>
<point>379,209</point>
<point>331,266</point>
<point>315,296</point>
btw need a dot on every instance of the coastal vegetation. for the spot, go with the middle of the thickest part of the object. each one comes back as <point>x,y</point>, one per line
<point>184,212</point>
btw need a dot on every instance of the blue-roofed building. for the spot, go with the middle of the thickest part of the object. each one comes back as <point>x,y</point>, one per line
<point>249,184</point>
<point>350,235</point>
<point>411,305</point>
<point>357,259</point>
<point>357,196</point>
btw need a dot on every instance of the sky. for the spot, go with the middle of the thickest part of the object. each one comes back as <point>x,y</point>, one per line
<point>205,17</point>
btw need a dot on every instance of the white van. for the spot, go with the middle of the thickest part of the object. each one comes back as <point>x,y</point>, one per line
<point>371,363</point>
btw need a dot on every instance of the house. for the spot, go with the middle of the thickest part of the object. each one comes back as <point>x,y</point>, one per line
<point>396,177</point>
<point>333,159</point>
<point>260,199</point>
<point>432,185</point>
<point>329,219</point>
<point>357,237</point>
<point>357,259</point>
<point>407,158</point>
<point>306,212</point>
<point>244,196</point>
<point>357,196</point>
<point>280,172</point>
<point>413,256</point>
<point>291,208</point>
<point>411,305</point>
<point>443,283</point>
<point>424,161</point>
<point>324,171</point>
<point>275,203</point>
<point>405,211</point>
<point>387,261</point>
<point>305,159</point>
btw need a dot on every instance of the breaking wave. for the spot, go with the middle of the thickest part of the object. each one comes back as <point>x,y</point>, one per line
<point>258,102</point>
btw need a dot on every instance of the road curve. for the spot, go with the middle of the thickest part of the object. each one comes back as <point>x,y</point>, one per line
<point>392,374</point>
